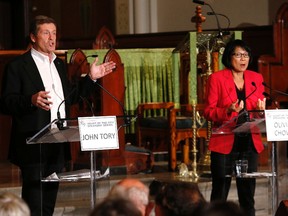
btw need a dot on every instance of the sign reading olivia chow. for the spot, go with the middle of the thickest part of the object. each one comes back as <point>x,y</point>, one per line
<point>98,133</point>
<point>277,124</point>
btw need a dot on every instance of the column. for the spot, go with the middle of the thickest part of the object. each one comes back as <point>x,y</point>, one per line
<point>141,16</point>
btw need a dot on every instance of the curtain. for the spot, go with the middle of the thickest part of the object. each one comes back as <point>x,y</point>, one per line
<point>151,75</point>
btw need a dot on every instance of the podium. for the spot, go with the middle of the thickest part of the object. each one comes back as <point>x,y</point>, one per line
<point>70,132</point>
<point>255,122</point>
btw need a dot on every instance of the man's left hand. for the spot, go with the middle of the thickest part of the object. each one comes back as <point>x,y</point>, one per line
<point>98,71</point>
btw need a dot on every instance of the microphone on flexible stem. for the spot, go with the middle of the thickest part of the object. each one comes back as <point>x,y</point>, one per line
<point>274,90</point>
<point>271,99</point>
<point>86,57</point>
<point>82,62</point>
<point>60,122</point>
<point>253,84</point>
<point>89,104</point>
<point>217,20</point>
<point>255,88</point>
<point>223,15</point>
<point>127,119</point>
<point>266,94</point>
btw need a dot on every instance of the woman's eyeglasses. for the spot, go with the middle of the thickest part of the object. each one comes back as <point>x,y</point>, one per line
<point>240,55</point>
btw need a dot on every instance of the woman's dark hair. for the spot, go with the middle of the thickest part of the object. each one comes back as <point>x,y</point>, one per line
<point>229,50</point>
<point>181,198</point>
<point>223,208</point>
<point>39,20</point>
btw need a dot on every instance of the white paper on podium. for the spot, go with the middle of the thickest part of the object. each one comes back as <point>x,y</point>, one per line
<point>277,124</point>
<point>77,175</point>
<point>98,133</point>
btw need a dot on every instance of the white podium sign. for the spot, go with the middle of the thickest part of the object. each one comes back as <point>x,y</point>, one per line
<point>98,133</point>
<point>276,124</point>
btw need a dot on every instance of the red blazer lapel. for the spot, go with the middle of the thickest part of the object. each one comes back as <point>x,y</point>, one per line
<point>229,85</point>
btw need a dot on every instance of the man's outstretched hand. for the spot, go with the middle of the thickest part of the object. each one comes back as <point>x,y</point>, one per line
<point>98,71</point>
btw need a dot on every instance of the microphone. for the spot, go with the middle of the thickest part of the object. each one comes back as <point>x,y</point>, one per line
<point>86,57</point>
<point>127,119</point>
<point>60,122</point>
<point>82,62</point>
<point>274,90</point>
<point>253,84</point>
<point>271,99</point>
<point>266,94</point>
<point>89,104</point>
<point>217,20</point>
<point>223,15</point>
<point>246,114</point>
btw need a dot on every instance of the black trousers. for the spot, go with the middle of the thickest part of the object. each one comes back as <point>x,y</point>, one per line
<point>40,196</point>
<point>222,168</point>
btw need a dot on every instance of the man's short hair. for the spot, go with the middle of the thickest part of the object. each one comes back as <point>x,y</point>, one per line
<point>39,20</point>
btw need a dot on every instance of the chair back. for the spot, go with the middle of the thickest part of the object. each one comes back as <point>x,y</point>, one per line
<point>104,39</point>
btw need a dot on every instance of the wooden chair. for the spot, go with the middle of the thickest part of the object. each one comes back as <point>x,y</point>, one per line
<point>187,125</point>
<point>161,128</point>
<point>104,39</point>
<point>152,125</point>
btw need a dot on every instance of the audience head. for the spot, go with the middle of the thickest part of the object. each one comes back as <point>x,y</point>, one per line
<point>134,190</point>
<point>181,198</point>
<point>13,205</point>
<point>116,206</point>
<point>223,208</point>
<point>155,187</point>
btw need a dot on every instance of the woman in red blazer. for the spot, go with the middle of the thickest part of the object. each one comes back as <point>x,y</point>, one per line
<point>230,92</point>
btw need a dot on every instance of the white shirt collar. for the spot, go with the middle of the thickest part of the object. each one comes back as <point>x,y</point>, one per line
<point>41,56</point>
